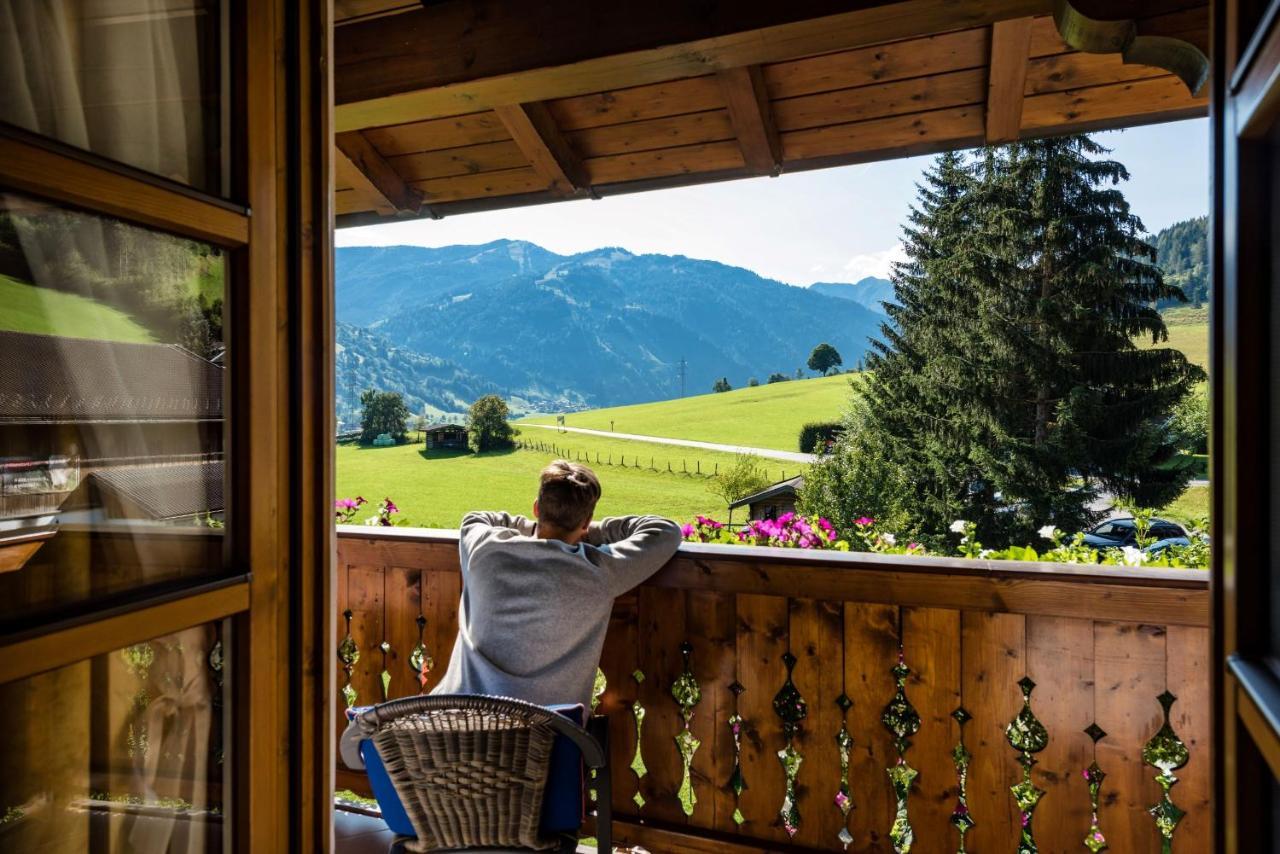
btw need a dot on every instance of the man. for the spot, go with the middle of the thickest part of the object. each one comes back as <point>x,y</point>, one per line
<point>537,594</point>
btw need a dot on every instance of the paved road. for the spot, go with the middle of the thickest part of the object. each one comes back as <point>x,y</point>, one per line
<point>768,453</point>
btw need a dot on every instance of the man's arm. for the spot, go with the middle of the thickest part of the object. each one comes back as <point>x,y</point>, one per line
<point>480,523</point>
<point>638,546</point>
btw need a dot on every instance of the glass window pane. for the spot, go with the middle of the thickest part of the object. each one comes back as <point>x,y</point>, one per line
<point>121,753</point>
<point>111,408</point>
<point>139,81</point>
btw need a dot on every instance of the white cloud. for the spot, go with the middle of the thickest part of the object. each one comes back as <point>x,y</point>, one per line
<point>874,263</point>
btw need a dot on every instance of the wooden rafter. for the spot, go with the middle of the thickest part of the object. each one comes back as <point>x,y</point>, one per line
<point>536,134</point>
<point>748,102</point>
<point>380,174</point>
<point>1007,79</point>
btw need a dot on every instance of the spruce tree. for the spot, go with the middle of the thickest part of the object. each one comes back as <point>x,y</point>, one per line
<point>1008,389</point>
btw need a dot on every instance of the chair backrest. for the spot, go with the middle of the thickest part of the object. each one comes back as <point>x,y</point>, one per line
<point>470,770</point>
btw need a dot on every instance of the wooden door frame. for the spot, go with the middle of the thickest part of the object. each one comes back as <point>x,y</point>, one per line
<point>1243,200</point>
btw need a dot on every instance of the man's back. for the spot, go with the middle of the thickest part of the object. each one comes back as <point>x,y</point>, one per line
<point>534,611</point>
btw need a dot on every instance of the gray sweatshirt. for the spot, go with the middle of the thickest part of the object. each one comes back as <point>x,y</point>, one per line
<point>534,612</point>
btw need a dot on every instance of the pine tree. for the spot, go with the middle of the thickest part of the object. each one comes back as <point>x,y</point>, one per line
<point>1007,389</point>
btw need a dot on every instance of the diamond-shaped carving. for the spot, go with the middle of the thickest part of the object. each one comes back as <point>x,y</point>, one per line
<point>1026,684</point>
<point>788,659</point>
<point>962,716</point>
<point>1095,732</point>
<point>737,688</point>
<point>638,676</point>
<point>844,702</point>
<point>639,800</point>
<point>1166,700</point>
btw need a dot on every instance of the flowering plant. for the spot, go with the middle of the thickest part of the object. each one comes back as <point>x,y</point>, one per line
<point>791,530</point>
<point>345,509</point>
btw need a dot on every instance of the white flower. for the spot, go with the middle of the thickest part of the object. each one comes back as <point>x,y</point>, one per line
<point>957,527</point>
<point>1048,532</point>
<point>888,539</point>
<point>985,553</point>
<point>1132,556</point>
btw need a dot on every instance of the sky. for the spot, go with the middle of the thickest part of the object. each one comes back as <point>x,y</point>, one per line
<point>830,225</point>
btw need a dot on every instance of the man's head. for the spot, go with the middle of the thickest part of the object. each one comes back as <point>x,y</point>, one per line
<point>567,497</point>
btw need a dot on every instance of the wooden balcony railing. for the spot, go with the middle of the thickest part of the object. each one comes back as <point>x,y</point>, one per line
<point>1101,645</point>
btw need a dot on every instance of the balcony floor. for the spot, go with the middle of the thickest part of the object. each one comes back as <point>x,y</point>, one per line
<point>357,833</point>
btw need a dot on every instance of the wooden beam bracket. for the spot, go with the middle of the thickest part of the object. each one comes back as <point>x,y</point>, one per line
<point>535,133</point>
<point>1006,83</point>
<point>381,175</point>
<point>747,99</point>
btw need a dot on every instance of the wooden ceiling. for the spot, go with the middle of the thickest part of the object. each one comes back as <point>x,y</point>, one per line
<point>463,105</point>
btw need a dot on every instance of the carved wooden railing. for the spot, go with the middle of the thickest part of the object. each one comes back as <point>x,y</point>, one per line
<point>821,700</point>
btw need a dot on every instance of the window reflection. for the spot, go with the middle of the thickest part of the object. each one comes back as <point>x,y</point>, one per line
<point>111,407</point>
<point>121,753</point>
<point>137,81</point>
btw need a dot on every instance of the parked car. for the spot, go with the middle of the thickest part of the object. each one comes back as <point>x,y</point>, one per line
<point>1123,531</point>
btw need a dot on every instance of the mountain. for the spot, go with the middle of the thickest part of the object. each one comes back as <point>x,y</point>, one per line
<point>870,292</point>
<point>430,385</point>
<point>599,328</point>
<point>1182,252</point>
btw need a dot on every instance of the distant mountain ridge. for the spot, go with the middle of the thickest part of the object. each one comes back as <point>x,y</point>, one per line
<point>871,291</point>
<point>557,332</point>
<point>1182,252</point>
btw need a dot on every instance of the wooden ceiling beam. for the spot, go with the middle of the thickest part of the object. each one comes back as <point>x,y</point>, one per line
<point>380,174</point>
<point>536,134</point>
<point>748,101</point>
<point>439,62</point>
<point>1007,78</point>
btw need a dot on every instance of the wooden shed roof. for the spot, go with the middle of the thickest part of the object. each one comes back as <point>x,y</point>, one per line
<point>462,105</point>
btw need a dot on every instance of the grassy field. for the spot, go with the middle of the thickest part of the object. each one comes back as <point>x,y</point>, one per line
<point>1188,332</point>
<point>28,308</point>
<point>435,488</point>
<point>1192,505</point>
<point>767,416</point>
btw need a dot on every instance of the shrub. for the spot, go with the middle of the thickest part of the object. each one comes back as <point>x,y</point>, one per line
<point>722,384</point>
<point>815,435</point>
<point>745,476</point>
<point>776,377</point>
<point>1189,424</point>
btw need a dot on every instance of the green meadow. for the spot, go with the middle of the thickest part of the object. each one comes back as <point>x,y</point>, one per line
<point>766,416</point>
<point>29,308</point>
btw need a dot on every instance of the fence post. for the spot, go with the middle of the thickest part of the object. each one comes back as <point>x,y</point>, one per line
<point>717,469</point>
<point>611,458</point>
<point>668,466</point>
<point>699,464</point>
<point>651,462</point>
<point>684,466</point>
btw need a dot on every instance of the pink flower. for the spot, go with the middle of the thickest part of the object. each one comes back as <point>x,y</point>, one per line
<point>864,521</point>
<point>687,531</point>
<point>345,504</point>
<point>391,507</point>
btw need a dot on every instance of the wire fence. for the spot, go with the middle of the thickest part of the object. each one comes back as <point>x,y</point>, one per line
<point>683,466</point>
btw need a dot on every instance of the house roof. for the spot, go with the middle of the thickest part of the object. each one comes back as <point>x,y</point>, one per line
<point>789,487</point>
<point>49,379</point>
<point>440,110</point>
<point>438,427</point>
<point>166,490</point>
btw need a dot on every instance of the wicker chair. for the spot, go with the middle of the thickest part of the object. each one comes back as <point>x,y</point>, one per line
<point>471,771</point>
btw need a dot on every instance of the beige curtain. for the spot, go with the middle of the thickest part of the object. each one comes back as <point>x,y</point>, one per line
<point>132,80</point>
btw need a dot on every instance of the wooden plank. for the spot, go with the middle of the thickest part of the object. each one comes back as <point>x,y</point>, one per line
<point>1045,38</point>
<point>535,132</point>
<point>748,104</point>
<point>817,632</point>
<point>870,650</point>
<point>662,631</point>
<point>1060,660</point>
<point>1081,70</point>
<point>882,63</point>
<point>1187,663</point>
<point>684,160</point>
<point>1010,41</point>
<point>994,659</point>
<point>350,201</point>
<point>435,134</point>
<point>1130,675</point>
<point>365,591</point>
<point>931,641</point>
<point>917,581</point>
<point>619,662</point>
<point>402,605</point>
<point>505,183</point>
<point>381,175</point>
<point>74,180</point>
<point>711,625</point>
<point>648,134</point>
<point>959,125</point>
<point>373,90</point>
<point>440,595</point>
<point>939,91</point>
<point>638,103</point>
<point>761,642</point>
<point>360,194</point>
<point>467,160</point>
<point>1163,98</point>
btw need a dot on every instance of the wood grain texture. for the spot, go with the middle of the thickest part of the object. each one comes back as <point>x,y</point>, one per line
<point>650,134</point>
<point>762,639</point>
<point>747,101</point>
<point>662,627</point>
<point>465,160</point>
<point>870,649</point>
<point>1010,41</point>
<point>619,661</point>
<point>534,131</point>
<point>816,634</point>
<point>879,100</point>
<point>381,175</point>
<point>711,626</point>
<point>1158,98</point>
<point>929,638</point>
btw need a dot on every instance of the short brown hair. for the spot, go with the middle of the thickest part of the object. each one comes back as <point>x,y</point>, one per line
<point>567,495</point>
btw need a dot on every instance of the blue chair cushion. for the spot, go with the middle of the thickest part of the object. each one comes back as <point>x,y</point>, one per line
<point>562,801</point>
